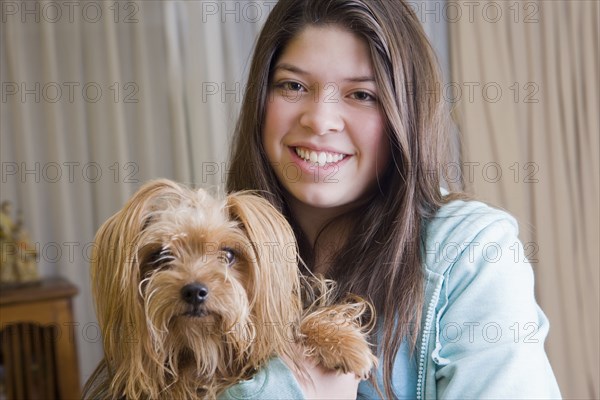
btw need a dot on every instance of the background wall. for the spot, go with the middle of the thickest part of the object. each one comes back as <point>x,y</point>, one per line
<point>98,97</point>
<point>528,75</point>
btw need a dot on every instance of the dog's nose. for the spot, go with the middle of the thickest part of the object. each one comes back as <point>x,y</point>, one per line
<point>194,293</point>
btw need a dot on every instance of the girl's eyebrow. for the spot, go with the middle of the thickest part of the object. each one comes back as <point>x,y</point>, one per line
<point>300,71</point>
<point>290,68</point>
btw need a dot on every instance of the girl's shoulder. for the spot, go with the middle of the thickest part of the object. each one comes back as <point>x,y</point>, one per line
<point>459,227</point>
<point>464,213</point>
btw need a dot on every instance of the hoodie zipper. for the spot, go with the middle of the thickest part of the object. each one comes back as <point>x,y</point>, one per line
<point>425,341</point>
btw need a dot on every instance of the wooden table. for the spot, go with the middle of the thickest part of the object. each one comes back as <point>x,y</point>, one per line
<point>37,341</point>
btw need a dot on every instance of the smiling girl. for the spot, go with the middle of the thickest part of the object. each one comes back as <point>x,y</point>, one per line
<point>341,132</point>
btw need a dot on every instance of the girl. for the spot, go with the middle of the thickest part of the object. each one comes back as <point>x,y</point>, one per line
<point>342,131</point>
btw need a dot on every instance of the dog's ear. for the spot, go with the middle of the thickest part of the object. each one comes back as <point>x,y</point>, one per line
<point>115,279</point>
<point>275,290</point>
<point>114,258</point>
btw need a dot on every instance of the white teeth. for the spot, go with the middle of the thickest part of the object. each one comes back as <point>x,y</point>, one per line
<point>320,158</point>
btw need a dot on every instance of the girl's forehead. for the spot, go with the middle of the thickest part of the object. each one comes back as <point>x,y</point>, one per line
<point>327,50</point>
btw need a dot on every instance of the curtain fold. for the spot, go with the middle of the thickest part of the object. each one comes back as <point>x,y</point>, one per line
<point>530,144</point>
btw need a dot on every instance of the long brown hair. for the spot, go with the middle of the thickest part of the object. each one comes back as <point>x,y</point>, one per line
<point>382,261</point>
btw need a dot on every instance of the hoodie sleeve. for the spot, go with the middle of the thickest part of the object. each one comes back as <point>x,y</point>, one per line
<point>274,381</point>
<point>489,329</point>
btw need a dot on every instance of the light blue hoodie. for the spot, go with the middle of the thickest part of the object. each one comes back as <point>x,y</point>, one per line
<point>482,332</point>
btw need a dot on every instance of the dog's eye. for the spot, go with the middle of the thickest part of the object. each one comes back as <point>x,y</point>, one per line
<point>158,259</point>
<point>227,256</point>
<point>154,260</point>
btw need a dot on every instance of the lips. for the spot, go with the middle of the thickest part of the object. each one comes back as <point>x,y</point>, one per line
<point>320,158</point>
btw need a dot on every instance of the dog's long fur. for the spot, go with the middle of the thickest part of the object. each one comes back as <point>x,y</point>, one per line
<point>194,294</point>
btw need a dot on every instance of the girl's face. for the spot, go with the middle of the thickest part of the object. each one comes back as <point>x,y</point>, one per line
<point>324,132</point>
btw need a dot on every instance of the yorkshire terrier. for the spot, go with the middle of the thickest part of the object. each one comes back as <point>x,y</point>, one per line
<point>194,294</point>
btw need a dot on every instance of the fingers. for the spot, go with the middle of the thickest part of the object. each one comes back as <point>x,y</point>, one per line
<point>329,384</point>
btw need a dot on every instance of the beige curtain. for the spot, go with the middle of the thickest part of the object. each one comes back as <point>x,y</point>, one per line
<point>100,96</point>
<point>525,83</point>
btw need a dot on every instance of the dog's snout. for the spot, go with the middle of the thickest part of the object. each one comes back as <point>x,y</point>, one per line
<point>194,293</point>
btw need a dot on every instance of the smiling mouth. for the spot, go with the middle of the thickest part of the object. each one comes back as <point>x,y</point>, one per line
<point>320,158</point>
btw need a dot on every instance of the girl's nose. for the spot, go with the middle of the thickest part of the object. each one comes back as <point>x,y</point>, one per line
<point>322,116</point>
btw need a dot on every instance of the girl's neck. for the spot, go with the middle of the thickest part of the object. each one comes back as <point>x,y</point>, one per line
<point>324,243</point>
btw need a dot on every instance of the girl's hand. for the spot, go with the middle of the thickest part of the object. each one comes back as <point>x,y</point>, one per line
<point>326,383</point>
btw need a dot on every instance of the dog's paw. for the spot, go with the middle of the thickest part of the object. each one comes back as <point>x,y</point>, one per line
<point>335,339</point>
<point>352,355</point>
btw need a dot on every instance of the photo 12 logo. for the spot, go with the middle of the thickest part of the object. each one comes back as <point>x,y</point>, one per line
<point>54,92</point>
<point>490,172</point>
<point>68,171</point>
<point>526,12</point>
<point>236,11</point>
<point>219,172</point>
<point>36,11</point>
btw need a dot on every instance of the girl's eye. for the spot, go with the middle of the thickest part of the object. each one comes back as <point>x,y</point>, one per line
<point>227,256</point>
<point>295,86</point>
<point>363,96</point>
<point>290,86</point>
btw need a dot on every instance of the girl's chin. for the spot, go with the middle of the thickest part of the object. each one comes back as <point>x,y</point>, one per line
<point>319,197</point>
